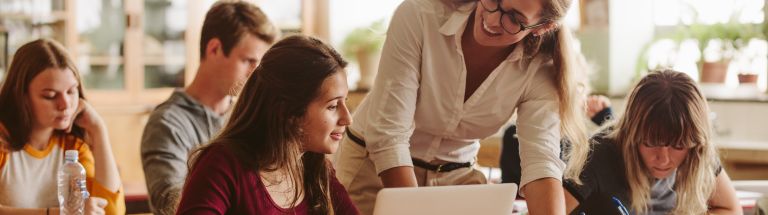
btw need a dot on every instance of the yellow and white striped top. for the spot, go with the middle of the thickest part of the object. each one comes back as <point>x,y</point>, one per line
<point>28,177</point>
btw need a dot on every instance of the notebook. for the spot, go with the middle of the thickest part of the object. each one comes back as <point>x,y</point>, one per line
<point>447,200</point>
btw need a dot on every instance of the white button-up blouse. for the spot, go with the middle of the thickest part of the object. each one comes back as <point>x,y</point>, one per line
<point>417,108</point>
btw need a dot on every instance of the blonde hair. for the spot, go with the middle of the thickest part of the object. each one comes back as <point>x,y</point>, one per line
<point>569,83</point>
<point>666,108</point>
<point>568,80</point>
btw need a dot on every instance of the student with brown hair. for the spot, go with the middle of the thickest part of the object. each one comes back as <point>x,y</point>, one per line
<point>43,112</point>
<point>453,72</point>
<point>270,157</point>
<point>235,36</point>
<point>657,158</point>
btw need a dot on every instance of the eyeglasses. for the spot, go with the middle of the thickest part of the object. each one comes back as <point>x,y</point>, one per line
<point>508,19</point>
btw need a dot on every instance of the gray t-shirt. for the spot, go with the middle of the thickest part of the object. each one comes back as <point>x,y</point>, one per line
<point>604,173</point>
<point>175,128</point>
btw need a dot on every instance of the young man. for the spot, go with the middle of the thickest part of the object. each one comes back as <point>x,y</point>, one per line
<point>235,36</point>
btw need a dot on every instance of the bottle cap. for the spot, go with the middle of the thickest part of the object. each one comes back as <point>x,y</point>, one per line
<point>71,155</point>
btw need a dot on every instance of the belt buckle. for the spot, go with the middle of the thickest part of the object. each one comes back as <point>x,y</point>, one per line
<point>439,168</point>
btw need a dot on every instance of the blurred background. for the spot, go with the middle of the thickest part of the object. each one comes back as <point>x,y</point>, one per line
<point>132,53</point>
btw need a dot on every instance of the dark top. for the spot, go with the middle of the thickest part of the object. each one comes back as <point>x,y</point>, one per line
<point>221,184</point>
<point>509,161</point>
<point>604,174</point>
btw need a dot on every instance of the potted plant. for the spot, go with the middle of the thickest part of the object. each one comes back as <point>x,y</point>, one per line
<point>747,78</point>
<point>644,61</point>
<point>363,45</point>
<point>719,45</point>
<point>746,55</point>
<point>716,44</point>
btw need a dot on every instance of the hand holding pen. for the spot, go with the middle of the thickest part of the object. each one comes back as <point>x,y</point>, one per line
<point>620,206</point>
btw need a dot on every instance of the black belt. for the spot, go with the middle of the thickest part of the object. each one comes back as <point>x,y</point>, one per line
<point>446,167</point>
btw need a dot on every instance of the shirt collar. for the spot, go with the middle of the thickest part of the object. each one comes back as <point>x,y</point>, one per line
<point>457,22</point>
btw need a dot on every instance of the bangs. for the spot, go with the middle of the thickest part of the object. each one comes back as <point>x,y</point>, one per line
<point>663,126</point>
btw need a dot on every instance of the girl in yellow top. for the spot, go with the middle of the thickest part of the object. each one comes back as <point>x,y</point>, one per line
<point>43,113</point>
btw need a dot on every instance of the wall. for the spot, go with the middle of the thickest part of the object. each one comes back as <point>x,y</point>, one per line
<point>125,125</point>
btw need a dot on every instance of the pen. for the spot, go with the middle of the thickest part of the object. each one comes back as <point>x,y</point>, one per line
<point>620,206</point>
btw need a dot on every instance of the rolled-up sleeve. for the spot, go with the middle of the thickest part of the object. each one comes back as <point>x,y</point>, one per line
<point>539,129</point>
<point>393,99</point>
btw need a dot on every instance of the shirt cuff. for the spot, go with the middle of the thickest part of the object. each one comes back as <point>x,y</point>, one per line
<point>541,170</point>
<point>396,156</point>
<point>115,200</point>
<point>602,116</point>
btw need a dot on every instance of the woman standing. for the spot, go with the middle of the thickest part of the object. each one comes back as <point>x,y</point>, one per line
<point>453,72</point>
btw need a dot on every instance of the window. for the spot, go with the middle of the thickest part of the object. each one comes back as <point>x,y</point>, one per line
<point>747,56</point>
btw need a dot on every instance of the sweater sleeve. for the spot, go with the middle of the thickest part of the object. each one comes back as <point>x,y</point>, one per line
<point>164,153</point>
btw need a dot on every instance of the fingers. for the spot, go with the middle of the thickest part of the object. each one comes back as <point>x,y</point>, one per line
<point>95,206</point>
<point>76,115</point>
<point>604,100</point>
<point>87,118</point>
<point>596,103</point>
<point>101,203</point>
<point>80,106</point>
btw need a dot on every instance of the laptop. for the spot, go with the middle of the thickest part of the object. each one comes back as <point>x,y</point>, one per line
<point>488,199</point>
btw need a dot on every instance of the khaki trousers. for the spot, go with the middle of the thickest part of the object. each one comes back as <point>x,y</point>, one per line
<point>356,172</point>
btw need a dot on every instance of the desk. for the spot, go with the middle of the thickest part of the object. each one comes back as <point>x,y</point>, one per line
<point>744,159</point>
<point>136,198</point>
<point>744,150</point>
<point>746,200</point>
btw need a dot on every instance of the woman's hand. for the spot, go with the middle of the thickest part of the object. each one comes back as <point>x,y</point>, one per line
<point>596,103</point>
<point>87,118</point>
<point>95,206</point>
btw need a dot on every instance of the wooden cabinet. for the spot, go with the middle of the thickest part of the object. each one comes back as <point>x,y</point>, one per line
<point>135,52</point>
<point>132,54</point>
<point>24,20</point>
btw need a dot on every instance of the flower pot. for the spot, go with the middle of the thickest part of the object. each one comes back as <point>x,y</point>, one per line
<point>747,78</point>
<point>369,64</point>
<point>714,72</point>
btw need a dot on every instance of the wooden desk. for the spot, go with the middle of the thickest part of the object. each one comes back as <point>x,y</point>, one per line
<point>744,159</point>
<point>136,198</point>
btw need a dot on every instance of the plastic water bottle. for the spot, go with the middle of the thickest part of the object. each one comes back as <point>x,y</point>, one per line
<point>72,190</point>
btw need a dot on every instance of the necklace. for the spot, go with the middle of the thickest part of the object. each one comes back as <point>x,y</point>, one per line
<point>280,189</point>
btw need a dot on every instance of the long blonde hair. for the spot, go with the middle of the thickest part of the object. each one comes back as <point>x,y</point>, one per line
<point>666,108</point>
<point>558,43</point>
